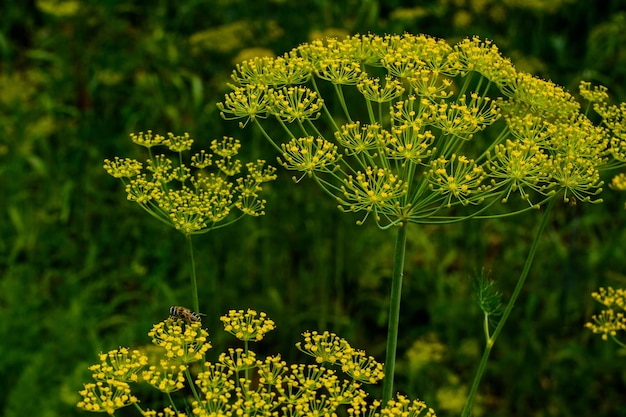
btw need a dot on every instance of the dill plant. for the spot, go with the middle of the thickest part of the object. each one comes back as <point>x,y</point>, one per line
<point>239,383</point>
<point>193,194</point>
<point>409,129</point>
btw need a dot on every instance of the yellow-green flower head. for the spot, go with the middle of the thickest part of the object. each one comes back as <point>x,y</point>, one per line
<point>612,320</point>
<point>260,172</point>
<point>248,102</point>
<point>141,190</point>
<point>430,84</point>
<point>177,143</point>
<point>372,90</point>
<point>295,103</point>
<point>237,360</point>
<point>520,166</point>
<point>577,177</point>
<point>227,147</point>
<point>277,72</point>
<point>271,370</point>
<point>375,189</point>
<point>183,343</point>
<point>338,71</point>
<point>462,119</point>
<point>412,112</point>
<point>310,377</point>
<point>167,377</point>
<point>429,52</point>
<point>215,381</point>
<point>106,396</point>
<point>483,57</point>
<point>309,155</point>
<point>361,367</point>
<point>252,71</point>
<point>610,297</point>
<point>614,118</point>
<point>247,325</point>
<point>248,188</point>
<point>147,140</point>
<point>122,167</point>
<point>607,323</point>
<point>618,182</point>
<point>162,169</point>
<point>119,364</point>
<point>532,128</point>
<point>457,179</point>
<point>598,94</point>
<point>201,160</point>
<point>324,347</point>
<point>356,139</point>
<point>344,391</point>
<point>543,97</point>
<point>409,144</point>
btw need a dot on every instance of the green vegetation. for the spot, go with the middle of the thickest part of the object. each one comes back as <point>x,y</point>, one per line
<point>84,271</point>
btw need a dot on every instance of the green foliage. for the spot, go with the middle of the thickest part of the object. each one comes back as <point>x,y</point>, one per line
<point>83,271</point>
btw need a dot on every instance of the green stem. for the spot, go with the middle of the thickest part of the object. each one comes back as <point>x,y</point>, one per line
<point>507,311</point>
<point>394,313</point>
<point>194,282</point>
<point>169,397</point>
<point>191,384</point>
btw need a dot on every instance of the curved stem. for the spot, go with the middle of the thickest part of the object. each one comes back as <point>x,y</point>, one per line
<point>194,282</point>
<point>394,313</point>
<point>507,311</point>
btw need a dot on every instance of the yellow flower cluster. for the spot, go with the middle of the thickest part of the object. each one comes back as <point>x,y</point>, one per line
<point>440,126</point>
<point>183,343</point>
<point>330,348</point>
<point>106,396</point>
<point>168,377</point>
<point>240,384</point>
<point>119,364</point>
<point>612,320</point>
<point>247,325</point>
<point>192,197</point>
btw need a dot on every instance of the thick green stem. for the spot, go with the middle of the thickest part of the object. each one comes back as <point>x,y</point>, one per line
<point>194,282</point>
<point>394,313</point>
<point>507,311</point>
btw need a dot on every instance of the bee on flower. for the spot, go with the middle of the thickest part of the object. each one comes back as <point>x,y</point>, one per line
<point>185,314</point>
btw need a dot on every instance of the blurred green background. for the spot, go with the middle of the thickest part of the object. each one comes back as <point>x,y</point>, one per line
<point>82,270</point>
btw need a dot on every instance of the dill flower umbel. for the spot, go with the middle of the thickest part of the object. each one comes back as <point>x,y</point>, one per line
<point>119,364</point>
<point>106,396</point>
<point>424,126</point>
<point>248,325</point>
<point>239,383</point>
<point>611,322</point>
<point>184,343</point>
<point>197,196</point>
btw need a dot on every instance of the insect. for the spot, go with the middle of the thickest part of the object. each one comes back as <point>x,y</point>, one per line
<point>185,314</point>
